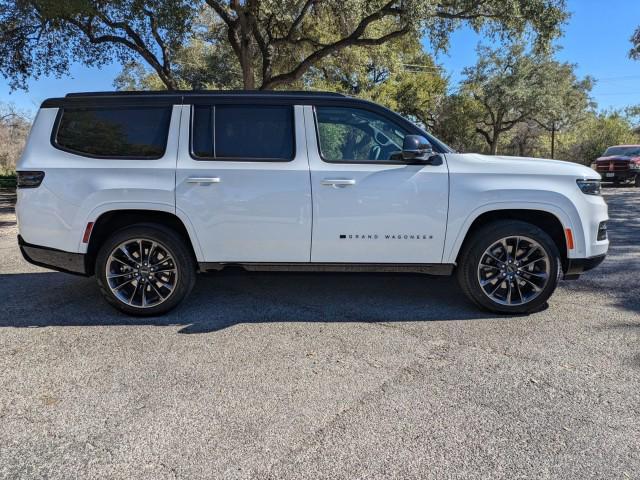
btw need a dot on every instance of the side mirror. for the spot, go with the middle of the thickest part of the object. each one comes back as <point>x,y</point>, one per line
<point>416,148</point>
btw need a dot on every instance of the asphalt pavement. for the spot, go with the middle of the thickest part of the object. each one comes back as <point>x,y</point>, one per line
<point>321,376</point>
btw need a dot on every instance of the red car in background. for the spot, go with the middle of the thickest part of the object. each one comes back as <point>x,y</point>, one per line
<point>619,164</point>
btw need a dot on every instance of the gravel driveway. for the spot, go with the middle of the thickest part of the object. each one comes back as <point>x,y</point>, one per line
<point>264,375</point>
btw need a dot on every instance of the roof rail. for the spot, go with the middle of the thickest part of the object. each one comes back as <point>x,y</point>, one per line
<point>205,92</point>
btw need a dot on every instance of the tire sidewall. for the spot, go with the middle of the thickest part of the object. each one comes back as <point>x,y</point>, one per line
<point>175,245</point>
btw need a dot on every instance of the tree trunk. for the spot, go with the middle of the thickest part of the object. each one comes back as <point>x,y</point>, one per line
<point>553,140</point>
<point>248,77</point>
<point>239,35</point>
<point>493,144</point>
<point>168,80</point>
<point>246,55</point>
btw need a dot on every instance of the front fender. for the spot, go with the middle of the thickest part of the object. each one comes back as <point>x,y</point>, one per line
<point>459,223</point>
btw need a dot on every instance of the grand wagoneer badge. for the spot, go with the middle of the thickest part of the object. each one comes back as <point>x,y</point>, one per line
<point>396,236</point>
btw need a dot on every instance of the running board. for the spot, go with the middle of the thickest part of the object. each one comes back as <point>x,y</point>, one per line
<point>425,268</point>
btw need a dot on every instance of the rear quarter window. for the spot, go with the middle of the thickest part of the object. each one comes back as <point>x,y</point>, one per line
<point>113,132</point>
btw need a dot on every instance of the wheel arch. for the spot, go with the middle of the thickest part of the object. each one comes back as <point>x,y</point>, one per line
<point>112,220</point>
<point>551,222</point>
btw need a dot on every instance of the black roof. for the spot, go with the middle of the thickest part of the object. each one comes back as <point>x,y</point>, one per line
<point>184,93</point>
<point>187,97</point>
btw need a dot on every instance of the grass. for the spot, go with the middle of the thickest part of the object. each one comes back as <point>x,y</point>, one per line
<point>7,179</point>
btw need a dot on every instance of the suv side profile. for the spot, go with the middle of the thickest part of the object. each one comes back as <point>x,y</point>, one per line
<point>142,190</point>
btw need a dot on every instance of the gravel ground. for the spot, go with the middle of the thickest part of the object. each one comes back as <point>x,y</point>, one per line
<point>277,376</point>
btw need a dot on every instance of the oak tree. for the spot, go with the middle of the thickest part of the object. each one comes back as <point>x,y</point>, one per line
<point>274,42</point>
<point>510,86</point>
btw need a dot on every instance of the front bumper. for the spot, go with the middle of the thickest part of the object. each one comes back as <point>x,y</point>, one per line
<point>619,176</point>
<point>577,266</point>
<point>52,258</point>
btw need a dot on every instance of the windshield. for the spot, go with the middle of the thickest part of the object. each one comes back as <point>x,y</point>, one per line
<point>622,151</point>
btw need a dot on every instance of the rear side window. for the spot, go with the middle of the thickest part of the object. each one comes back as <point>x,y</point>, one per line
<point>243,132</point>
<point>114,132</point>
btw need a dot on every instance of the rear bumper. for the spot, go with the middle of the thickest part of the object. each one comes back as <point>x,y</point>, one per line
<point>52,258</point>
<point>577,266</point>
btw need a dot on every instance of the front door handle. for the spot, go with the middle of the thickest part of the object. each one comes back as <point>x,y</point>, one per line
<point>203,180</point>
<point>338,182</point>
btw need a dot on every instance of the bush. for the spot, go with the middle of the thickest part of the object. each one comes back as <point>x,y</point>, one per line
<point>14,129</point>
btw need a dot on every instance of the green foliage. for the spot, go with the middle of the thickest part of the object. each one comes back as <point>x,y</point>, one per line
<point>635,41</point>
<point>456,123</point>
<point>566,100</point>
<point>204,61</point>
<point>592,137</point>
<point>40,37</point>
<point>7,180</point>
<point>273,43</point>
<point>417,91</point>
<point>14,128</point>
<point>510,86</point>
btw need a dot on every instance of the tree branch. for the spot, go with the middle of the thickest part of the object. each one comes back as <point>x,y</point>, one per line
<point>354,39</point>
<point>485,134</point>
<point>153,22</point>
<point>223,12</point>
<point>135,43</point>
<point>296,23</point>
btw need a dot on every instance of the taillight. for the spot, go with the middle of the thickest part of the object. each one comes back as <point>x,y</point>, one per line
<point>29,179</point>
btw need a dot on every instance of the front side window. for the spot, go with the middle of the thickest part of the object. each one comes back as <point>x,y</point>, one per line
<point>243,132</point>
<point>353,135</point>
<point>114,132</point>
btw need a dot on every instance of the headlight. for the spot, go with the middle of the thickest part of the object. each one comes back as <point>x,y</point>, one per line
<point>589,187</point>
<point>634,166</point>
<point>594,166</point>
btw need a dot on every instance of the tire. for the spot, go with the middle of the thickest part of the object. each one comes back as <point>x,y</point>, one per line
<point>529,288</point>
<point>156,292</point>
<point>637,181</point>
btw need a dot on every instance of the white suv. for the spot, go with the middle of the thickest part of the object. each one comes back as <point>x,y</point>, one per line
<point>143,190</point>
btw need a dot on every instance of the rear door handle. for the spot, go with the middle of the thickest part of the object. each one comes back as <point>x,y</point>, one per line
<point>338,182</point>
<point>203,180</point>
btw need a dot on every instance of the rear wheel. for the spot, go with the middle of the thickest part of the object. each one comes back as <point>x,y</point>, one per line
<point>145,270</point>
<point>509,267</point>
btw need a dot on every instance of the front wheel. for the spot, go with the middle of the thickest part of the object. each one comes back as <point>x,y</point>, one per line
<point>145,270</point>
<point>509,266</point>
<point>637,181</point>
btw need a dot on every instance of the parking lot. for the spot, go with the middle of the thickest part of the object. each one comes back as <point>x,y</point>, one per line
<point>278,376</point>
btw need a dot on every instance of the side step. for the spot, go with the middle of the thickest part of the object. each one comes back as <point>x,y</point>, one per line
<point>443,269</point>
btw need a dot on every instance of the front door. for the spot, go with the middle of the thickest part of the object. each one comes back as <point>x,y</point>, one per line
<point>368,205</point>
<point>243,182</point>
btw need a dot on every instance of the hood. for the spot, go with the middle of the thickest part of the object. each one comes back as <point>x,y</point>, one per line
<point>616,158</point>
<point>531,166</point>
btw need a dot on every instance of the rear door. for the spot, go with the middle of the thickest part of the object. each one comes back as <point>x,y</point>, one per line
<point>243,181</point>
<point>369,206</point>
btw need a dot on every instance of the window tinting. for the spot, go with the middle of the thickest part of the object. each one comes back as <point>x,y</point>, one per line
<point>202,131</point>
<point>114,132</point>
<point>355,135</point>
<point>622,151</point>
<point>243,132</point>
